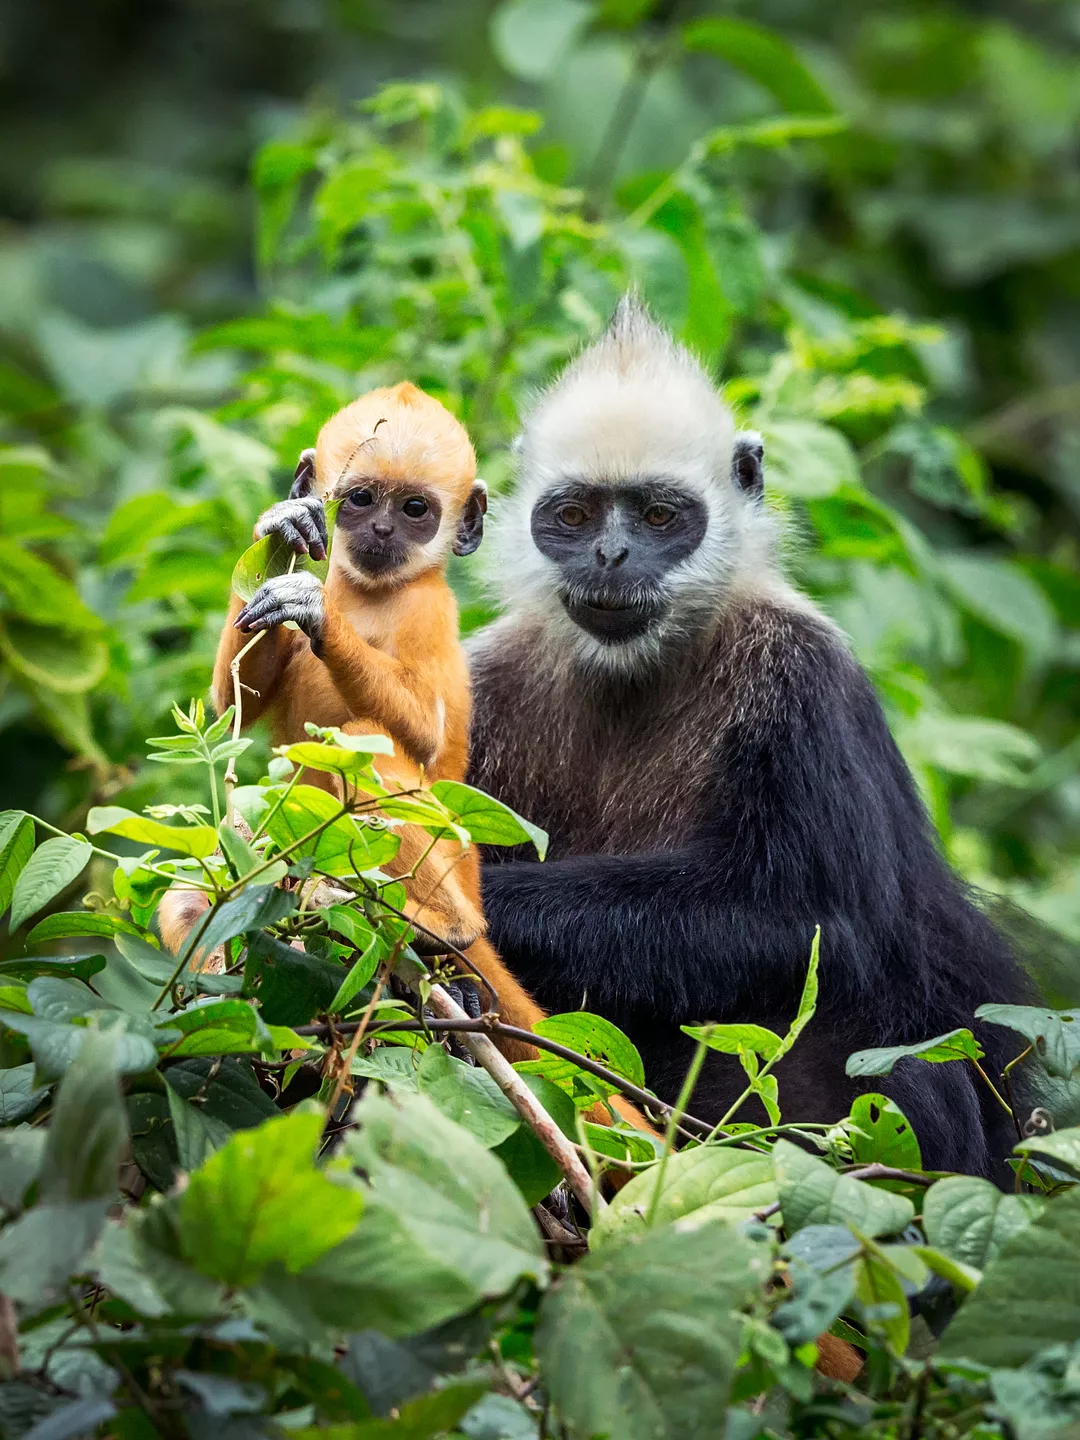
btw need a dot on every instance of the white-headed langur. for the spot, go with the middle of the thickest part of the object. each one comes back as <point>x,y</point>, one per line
<point>713,768</point>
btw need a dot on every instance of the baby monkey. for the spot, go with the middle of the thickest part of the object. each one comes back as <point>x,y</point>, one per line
<point>377,648</point>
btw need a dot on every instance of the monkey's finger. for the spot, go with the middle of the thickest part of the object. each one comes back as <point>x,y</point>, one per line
<point>264,621</point>
<point>262,603</point>
<point>292,536</point>
<point>313,528</point>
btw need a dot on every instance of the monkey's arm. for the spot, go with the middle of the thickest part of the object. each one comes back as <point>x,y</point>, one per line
<point>396,693</point>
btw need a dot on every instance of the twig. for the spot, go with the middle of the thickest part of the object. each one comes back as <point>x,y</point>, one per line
<point>484,1052</point>
<point>888,1172</point>
<point>488,1025</point>
<point>238,721</point>
<point>693,1071</point>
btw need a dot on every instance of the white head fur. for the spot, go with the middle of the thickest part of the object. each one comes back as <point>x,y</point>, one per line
<point>635,406</point>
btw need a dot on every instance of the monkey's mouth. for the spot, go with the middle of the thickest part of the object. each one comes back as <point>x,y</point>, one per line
<point>614,617</point>
<point>381,561</point>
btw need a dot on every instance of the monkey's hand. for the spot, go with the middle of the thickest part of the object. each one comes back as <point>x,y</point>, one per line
<point>301,523</point>
<point>298,597</point>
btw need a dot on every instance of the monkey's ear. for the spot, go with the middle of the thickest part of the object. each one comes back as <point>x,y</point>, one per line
<point>747,472</point>
<point>304,479</point>
<point>470,530</point>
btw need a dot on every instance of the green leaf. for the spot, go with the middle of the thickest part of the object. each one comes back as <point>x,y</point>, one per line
<point>488,821</point>
<point>971,1220</point>
<point>21,1151</point>
<point>19,1096</point>
<point>88,1127</point>
<point>806,459</point>
<point>254,908</point>
<point>811,1193</point>
<point>43,1249</point>
<point>16,847</point>
<point>730,1039</point>
<point>335,759</point>
<point>1060,1146</point>
<point>885,1306</point>
<point>530,37</point>
<point>46,656</point>
<point>1028,1299</point>
<point>589,1035</point>
<point>253,1203</point>
<point>198,1135</point>
<point>467,1095</point>
<point>1055,1034</point>
<point>198,841</point>
<point>49,871</point>
<point>79,967</point>
<point>881,1134</point>
<point>640,1340</point>
<point>293,986</point>
<point>214,1027</point>
<point>1004,597</point>
<point>363,968</point>
<point>447,1190</point>
<point>763,55</point>
<point>273,556</point>
<point>700,1185</point>
<point>36,592</point>
<point>344,848</point>
<point>74,923</point>
<point>956,1045</point>
<point>529,1165</point>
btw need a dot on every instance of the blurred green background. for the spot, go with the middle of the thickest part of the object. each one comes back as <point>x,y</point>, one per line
<point>221,219</point>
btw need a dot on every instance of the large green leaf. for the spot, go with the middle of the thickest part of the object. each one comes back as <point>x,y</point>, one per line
<point>1060,1146</point>
<point>35,591</point>
<point>971,1220</point>
<point>700,1185</point>
<point>807,459</point>
<point>467,1095</point>
<point>881,1134</point>
<point>70,924</point>
<point>195,840</point>
<point>16,847</point>
<point>345,847</point>
<point>589,1035</point>
<point>1028,1299</point>
<point>450,1193</point>
<point>763,55</point>
<point>48,656</point>
<point>730,1039</point>
<point>812,1193</point>
<point>1054,1034</point>
<point>49,871</point>
<point>214,1027</point>
<point>1004,597</point>
<point>488,821</point>
<point>956,1045</point>
<point>88,1128</point>
<point>640,1340</point>
<point>274,556</point>
<point>261,1200</point>
<point>253,909</point>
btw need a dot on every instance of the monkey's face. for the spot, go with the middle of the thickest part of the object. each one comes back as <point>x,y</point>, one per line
<point>384,527</point>
<point>615,547</point>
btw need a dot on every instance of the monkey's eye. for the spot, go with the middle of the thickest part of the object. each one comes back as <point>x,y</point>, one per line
<point>361,498</point>
<point>572,515</point>
<point>415,507</point>
<point>659,515</point>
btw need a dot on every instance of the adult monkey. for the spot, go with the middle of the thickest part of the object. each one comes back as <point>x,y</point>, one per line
<point>713,768</point>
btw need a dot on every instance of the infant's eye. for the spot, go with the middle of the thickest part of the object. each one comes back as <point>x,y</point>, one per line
<point>361,498</point>
<point>659,515</point>
<point>415,507</point>
<point>572,515</point>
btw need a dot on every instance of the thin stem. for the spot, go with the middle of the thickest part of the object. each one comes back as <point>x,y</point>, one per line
<point>265,821</point>
<point>489,1026</point>
<point>169,875</point>
<point>994,1090</point>
<point>237,725</point>
<point>693,1073</point>
<point>1006,1080</point>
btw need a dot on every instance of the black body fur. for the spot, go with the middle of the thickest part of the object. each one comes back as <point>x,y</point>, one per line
<point>703,819</point>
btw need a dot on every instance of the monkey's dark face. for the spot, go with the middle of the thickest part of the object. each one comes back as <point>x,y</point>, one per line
<point>383,527</point>
<point>615,546</point>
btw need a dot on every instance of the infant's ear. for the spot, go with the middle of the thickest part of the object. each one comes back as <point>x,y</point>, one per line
<point>747,468</point>
<point>304,479</point>
<point>470,529</point>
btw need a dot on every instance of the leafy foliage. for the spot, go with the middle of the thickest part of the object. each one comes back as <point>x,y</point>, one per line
<point>865,224</point>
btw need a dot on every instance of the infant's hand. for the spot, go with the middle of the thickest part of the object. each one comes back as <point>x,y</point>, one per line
<point>297,597</point>
<point>301,523</point>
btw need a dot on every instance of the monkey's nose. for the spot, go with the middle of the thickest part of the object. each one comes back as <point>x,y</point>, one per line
<point>382,529</point>
<point>611,557</point>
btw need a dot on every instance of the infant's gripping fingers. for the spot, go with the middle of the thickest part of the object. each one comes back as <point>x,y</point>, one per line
<point>297,597</point>
<point>300,522</point>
